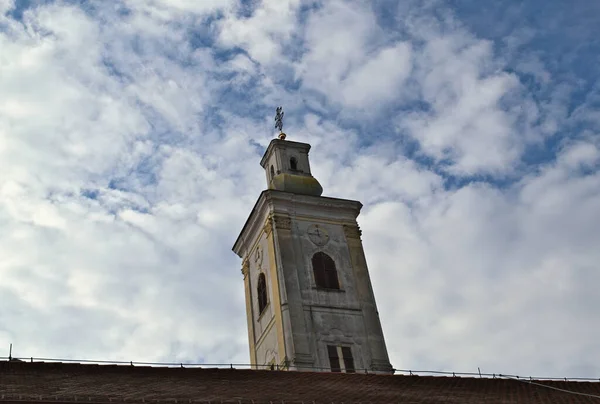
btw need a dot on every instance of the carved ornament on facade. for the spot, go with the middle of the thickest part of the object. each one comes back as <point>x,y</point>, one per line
<point>317,234</point>
<point>245,268</point>
<point>258,255</point>
<point>268,227</point>
<point>352,231</point>
<point>282,222</point>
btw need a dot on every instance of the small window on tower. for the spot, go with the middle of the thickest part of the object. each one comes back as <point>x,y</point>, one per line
<point>272,172</point>
<point>348,360</point>
<point>293,164</point>
<point>334,359</point>
<point>262,293</point>
<point>340,359</point>
<point>324,271</point>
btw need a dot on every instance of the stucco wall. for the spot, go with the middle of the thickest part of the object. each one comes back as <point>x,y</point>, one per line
<point>259,264</point>
<point>331,317</point>
<point>301,319</point>
<point>267,347</point>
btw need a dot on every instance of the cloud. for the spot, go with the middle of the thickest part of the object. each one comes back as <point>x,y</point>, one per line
<point>344,58</point>
<point>169,10</point>
<point>93,186</point>
<point>479,271</point>
<point>130,137</point>
<point>264,33</point>
<point>379,78</point>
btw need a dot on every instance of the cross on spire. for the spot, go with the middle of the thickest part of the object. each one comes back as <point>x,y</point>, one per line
<point>279,122</point>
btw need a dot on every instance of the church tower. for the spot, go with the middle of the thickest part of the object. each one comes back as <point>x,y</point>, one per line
<point>309,300</point>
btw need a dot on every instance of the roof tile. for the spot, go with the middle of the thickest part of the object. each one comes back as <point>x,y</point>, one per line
<point>61,382</point>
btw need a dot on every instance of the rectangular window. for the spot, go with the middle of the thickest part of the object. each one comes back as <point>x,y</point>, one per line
<point>334,359</point>
<point>340,359</point>
<point>348,360</point>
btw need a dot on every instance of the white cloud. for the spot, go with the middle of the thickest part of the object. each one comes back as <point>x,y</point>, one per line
<point>262,34</point>
<point>68,125</point>
<point>168,10</point>
<point>478,272</point>
<point>379,79</point>
<point>466,122</point>
<point>6,5</point>
<point>581,154</point>
<point>344,58</point>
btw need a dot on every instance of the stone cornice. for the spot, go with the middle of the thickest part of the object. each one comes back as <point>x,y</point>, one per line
<point>352,231</point>
<point>283,222</point>
<point>280,203</point>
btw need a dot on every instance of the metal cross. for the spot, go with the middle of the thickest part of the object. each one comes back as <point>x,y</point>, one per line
<point>279,119</point>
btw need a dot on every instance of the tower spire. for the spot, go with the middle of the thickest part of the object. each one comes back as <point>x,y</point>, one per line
<point>279,122</point>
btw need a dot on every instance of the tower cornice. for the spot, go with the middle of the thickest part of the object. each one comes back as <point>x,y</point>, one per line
<point>278,203</point>
<point>304,147</point>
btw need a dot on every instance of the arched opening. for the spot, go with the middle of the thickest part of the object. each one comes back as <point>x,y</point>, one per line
<point>293,164</point>
<point>272,172</point>
<point>262,293</point>
<point>325,271</point>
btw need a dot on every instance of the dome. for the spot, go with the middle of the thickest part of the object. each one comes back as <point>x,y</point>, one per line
<point>296,184</point>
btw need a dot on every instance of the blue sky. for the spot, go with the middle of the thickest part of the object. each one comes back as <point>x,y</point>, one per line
<point>130,138</point>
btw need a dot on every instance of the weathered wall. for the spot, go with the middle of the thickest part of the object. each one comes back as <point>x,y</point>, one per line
<point>301,320</point>
<point>330,317</point>
<point>263,325</point>
<point>267,346</point>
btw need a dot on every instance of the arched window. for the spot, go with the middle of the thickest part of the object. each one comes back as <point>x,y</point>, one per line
<point>262,293</point>
<point>325,272</point>
<point>272,172</point>
<point>293,164</point>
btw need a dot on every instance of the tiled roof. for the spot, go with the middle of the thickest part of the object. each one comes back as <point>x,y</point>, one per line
<point>60,382</point>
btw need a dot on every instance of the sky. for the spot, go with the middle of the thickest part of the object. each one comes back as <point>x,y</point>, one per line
<point>131,133</point>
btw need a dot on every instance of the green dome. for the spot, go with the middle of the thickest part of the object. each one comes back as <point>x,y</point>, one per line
<point>296,184</point>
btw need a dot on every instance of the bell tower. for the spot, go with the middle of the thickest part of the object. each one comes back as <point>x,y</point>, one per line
<point>309,300</point>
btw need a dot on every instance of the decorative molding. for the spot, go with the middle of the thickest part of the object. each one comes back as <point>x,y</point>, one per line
<point>266,330</point>
<point>303,359</point>
<point>352,231</point>
<point>258,255</point>
<point>316,201</point>
<point>317,234</point>
<point>283,222</point>
<point>350,310</point>
<point>245,268</point>
<point>330,205</point>
<point>379,365</point>
<point>268,227</point>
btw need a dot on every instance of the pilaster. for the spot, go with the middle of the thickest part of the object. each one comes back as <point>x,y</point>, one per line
<point>375,340</point>
<point>249,313</point>
<point>274,284</point>
<point>295,328</point>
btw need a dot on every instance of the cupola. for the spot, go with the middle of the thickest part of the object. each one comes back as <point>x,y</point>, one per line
<point>287,168</point>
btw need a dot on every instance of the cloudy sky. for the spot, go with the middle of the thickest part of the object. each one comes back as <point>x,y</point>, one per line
<point>130,138</point>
